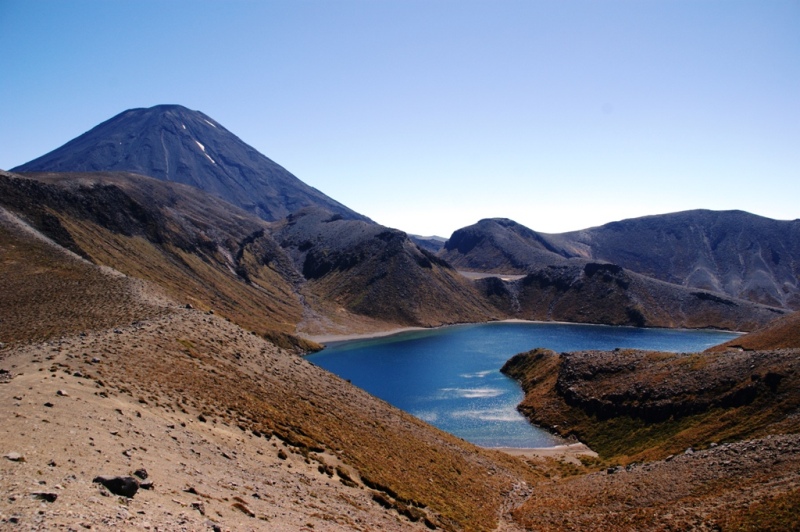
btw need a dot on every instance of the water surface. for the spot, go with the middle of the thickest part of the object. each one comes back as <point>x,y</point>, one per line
<point>450,377</point>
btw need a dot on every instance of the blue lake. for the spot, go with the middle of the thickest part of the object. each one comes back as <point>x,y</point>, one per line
<point>450,377</point>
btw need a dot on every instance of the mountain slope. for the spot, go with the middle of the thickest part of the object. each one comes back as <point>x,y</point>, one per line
<point>732,252</point>
<point>377,272</point>
<point>783,333</point>
<point>172,143</point>
<point>199,249</point>
<point>728,252</point>
<point>233,431</point>
<point>588,292</point>
<point>499,245</point>
<point>314,273</point>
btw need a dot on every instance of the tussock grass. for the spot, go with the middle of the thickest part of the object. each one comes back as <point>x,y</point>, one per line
<point>238,379</point>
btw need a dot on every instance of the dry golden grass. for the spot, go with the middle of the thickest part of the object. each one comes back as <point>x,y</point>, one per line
<point>45,292</point>
<point>783,333</point>
<point>658,404</point>
<point>206,365</point>
<point>267,304</point>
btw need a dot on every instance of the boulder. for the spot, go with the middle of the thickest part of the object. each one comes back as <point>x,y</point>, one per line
<point>122,486</point>
<point>45,496</point>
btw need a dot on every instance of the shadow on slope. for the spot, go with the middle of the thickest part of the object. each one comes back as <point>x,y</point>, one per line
<point>199,249</point>
<point>378,272</point>
<point>587,292</point>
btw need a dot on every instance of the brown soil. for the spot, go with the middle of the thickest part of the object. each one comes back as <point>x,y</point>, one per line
<point>172,370</point>
<point>783,333</point>
<point>640,408</point>
<point>721,488</point>
<point>101,374</point>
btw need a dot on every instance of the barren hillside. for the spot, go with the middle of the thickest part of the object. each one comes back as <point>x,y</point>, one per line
<point>589,292</point>
<point>709,440</point>
<point>233,431</point>
<point>734,254</point>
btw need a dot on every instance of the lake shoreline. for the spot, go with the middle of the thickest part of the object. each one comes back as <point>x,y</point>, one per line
<point>451,379</point>
<point>325,339</point>
<point>335,338</point>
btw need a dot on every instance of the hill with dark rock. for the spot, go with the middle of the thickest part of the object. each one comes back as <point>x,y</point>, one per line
<point>590,292</point>
<point>633,405</point>
<point>499,245</point>
<point>172,143</point>
<point>198,248</point>
<point>731,252</point>
<point>691,429</point>
<point>683,435</point>
<point>377,272</point>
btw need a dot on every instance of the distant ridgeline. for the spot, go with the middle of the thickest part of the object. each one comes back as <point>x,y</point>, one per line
<point>733,253</point>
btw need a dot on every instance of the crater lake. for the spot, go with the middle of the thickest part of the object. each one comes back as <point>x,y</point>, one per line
<point>450,376</point>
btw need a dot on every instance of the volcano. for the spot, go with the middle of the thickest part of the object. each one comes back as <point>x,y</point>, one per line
<point>173,143</point>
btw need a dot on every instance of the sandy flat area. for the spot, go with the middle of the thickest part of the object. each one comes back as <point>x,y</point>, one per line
<point>330,338</point>
<point>571,450</point>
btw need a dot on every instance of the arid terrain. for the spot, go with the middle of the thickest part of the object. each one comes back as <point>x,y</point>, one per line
<point>152,339</point>
<point>691,440</point>
<point>260,438</point>
<point>235,433</point>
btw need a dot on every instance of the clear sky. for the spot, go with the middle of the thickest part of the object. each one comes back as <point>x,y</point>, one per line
<point>430,115</point>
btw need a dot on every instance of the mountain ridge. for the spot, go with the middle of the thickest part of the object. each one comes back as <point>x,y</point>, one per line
<point>735,253</point>
<point>140,314</point>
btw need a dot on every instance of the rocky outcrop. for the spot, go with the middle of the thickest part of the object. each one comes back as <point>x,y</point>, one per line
<point>499,245</point>
<point>582,291</point>
<point>635,383</point>
<point>123,486</point>
<point>377,272</point>
<point>630,401</point>
<point>731,252</point>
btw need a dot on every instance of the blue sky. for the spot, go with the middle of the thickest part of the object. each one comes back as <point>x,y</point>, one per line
<point>430,115</point>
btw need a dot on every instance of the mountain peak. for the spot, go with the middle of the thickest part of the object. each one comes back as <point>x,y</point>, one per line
<point>172,143</point>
